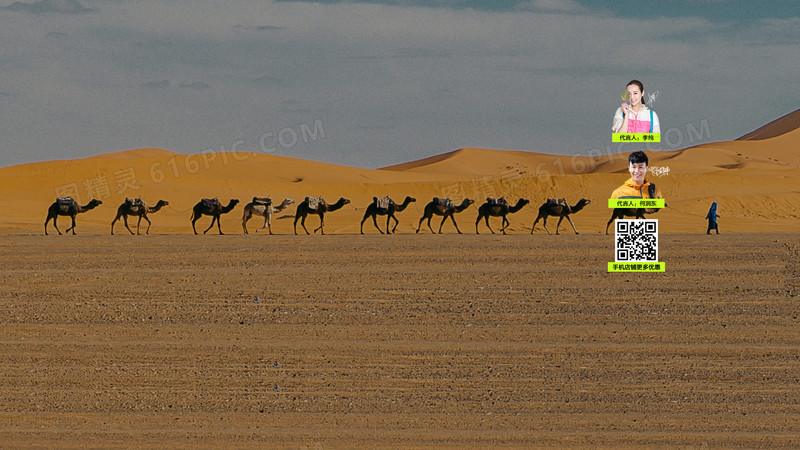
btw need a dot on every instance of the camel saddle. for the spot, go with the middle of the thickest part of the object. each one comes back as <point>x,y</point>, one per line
<point>496,201</point>
<point>443,202</point>
<point>559,202</point>
<point>210,202</point>
<point>266,201</point>
<point>383,203</point>
<point>313,202</point>
<point>134,202</point>
<point>65,201</point>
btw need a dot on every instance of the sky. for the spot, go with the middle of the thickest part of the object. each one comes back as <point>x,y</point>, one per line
<point>380,82</point>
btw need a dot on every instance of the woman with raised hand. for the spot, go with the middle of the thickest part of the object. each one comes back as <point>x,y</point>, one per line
<point>633,116</point>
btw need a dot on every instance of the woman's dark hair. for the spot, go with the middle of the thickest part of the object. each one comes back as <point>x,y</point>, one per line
<point>638,157</point>
<point>641,87</point>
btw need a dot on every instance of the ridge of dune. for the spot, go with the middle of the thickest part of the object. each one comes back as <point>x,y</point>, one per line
<point>782,125</point>
<point>147,152</point>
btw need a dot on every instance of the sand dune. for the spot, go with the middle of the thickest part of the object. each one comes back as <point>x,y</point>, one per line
<point>777,127</point>
<point>755,179</point>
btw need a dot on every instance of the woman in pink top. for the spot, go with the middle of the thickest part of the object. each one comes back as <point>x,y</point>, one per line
<point>635,117</point>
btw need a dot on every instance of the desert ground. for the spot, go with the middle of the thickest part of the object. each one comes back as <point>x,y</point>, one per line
<point>397,341</point>
<point>406,340</point>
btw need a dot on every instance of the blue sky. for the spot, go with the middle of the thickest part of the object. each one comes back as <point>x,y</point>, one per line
<point>376,83</point>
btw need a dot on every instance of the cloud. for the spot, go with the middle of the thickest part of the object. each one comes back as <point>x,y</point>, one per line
<point>557,6</point>
<point>194,85</point>
<point>156,84</point>
<point>50,7</point>
<point>389,82</point>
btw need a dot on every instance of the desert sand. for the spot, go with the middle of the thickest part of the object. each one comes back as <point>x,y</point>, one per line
<point>343,340</point>
<point>397,341</point>
<point>756,182</point>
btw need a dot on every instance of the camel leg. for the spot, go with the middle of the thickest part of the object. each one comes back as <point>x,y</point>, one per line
<point>420,223</point>
<point>364,219</point>
<point>375,222</point>
<point>396,223</point>
<point>535,222</point>
<point>268,222</point>
<point>54,224</point>
<point>194,219</point>
<point>573,225</point>
<point>139,225</point>
<point>125,220</point>
<point>560,218</point>
<point>442,224</point>
<point>429,224</point>
<point>505,224</point>
<point>321,224</point>
<point>112,223</point>
<point>147,231</point>
<point>213,219</point>
<point>544,224</point>
<point>219,225</point>
<point>453,218</point>
<point>245,218</point>
<point>72,227</point>
<point>303,224</point>
<point>487,224</point>
<point>257,230</point>
<point>613,216</point>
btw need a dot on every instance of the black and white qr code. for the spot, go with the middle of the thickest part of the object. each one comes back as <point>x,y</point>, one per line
<point>636,240</point>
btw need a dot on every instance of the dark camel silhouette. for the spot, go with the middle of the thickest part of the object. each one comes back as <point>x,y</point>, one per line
<point>133,208</point>
<point>438,209</point>
<point>498,210</point>
<point>211,207</point>
<point>551,209</point>
<point>374,211</point>
<point>68,207</point>
<point>304,209</point>
<point>260,209</point>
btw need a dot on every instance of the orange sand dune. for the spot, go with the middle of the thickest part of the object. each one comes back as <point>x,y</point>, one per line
<point>777,127</point>
<point>756,182</point>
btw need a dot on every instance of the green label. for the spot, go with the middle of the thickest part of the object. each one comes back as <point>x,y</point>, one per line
<point>636,203</point>
<point>635,137</point>
<point>636,267</point>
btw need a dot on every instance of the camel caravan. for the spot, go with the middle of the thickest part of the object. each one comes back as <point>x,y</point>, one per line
<point>380,206</point>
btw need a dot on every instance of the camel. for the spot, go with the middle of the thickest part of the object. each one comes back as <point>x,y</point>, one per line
<point>67,206</point>
<point>265,210</point>
<point>211,207</point>
<point>316,206</point>
<point>375,209</point>
<point>498,208</point>
<point>136,207</point>
<point>443,207</point>
<point>550,208</point>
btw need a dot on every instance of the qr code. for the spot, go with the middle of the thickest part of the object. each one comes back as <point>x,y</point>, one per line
<point>636,240</point>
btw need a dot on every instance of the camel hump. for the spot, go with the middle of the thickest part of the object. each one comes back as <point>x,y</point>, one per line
<point>210,202</point>
<point>559,202</point>
<point>134,201</point>
<point>65,201</point>
<point>444,202</point>
<point>266,201</point>
<point>496,201</point>
<point>313,202</point>
<point>383,203</point>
